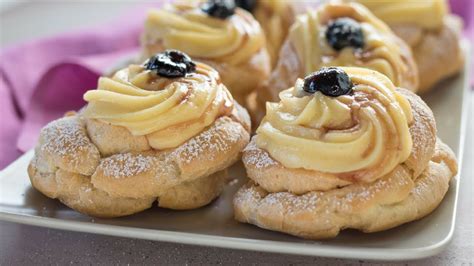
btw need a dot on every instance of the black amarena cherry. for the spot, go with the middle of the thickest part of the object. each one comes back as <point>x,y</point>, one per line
<point>219,8</point>
<point>331,81</point>
<point>171,64</point>
<point>344,32</point>
<point>248,5</point>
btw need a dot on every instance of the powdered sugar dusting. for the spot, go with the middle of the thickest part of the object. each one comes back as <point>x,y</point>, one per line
<point>420,188</point>
<point>65,137</point>
<point>126,165</point>
<point>247,195</point>
<point>294,203</point>
<point>216,139</point>
<point>258,159</point>
<point>343,200</point>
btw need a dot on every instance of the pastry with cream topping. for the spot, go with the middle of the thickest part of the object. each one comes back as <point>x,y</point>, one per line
<point>163,131</point>
<point>430,30</point>
<point>338,34</point>
<point>216,33</point>
<point>343,148</point>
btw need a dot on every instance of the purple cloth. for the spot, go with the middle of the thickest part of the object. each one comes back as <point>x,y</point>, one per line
<point>465,9</point>
<point>41,80</point>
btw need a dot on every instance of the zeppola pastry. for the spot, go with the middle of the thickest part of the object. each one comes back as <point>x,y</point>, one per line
<point>165,130</point>
<point>275,17</point>
<point>338,34</point>
<point>430,30</point>
<point>216,33</point>
<point>344,148</point>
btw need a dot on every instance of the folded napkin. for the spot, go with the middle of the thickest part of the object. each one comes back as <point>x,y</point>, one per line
<point>43,79</point>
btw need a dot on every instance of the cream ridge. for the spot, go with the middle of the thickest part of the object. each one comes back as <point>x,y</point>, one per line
<point>185,27</point>
<point>361,136</point>
<point>381,51</point>
<point>428,14</point>
<point>275,18</point>
<point>167,111</point>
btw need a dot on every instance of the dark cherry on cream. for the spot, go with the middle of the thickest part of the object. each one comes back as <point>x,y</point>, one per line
<point>344,32</point>
<point>219,8</point>
<point>248,5</point>
<point>330,81</point>
<point>170,64</point>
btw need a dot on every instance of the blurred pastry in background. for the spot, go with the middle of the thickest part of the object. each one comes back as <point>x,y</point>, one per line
<point>337,34</point>
<point>431,31</point>
<point>275,17</point>
<point>217,33</point>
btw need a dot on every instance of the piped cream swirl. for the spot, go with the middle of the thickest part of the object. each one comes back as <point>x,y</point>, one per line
<point>361,136</point>
<point>185,27</point>
<point>275,17</point>
<point>381,52</point>
<point>167,111</point>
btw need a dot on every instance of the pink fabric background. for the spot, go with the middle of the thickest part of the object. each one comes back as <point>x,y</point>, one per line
<point>43,79</point>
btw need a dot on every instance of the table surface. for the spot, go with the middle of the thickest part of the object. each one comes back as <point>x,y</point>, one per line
<point>22,244</point>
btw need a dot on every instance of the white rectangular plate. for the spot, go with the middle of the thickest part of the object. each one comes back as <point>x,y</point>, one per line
<point>214,225</point>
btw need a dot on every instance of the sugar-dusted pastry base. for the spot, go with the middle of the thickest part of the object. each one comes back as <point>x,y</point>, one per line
<point>388,202</point>
<point>80,166</point>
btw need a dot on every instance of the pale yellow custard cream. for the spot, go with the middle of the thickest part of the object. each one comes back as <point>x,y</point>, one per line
<point>167,111</point>
<point>185,27</point>
<point>381,51</point>
<point>428,14</point>
<point>360,136</point>
<point>275,18</point>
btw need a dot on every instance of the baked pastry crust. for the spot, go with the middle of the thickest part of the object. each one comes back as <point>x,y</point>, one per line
<point>316,205</point>
<point>396,199</point>
<point>78,164</point>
